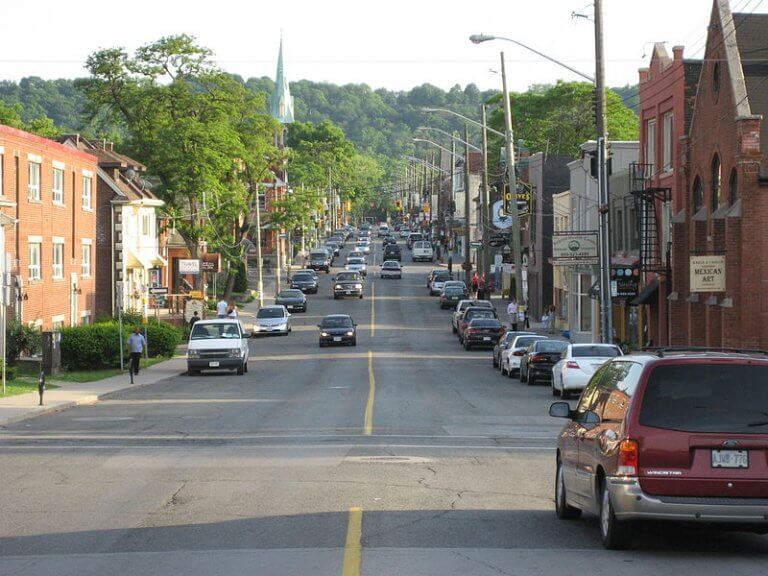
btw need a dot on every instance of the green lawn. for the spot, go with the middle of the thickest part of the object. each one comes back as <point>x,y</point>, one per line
<point>22,386</point>
<point>25,376</point>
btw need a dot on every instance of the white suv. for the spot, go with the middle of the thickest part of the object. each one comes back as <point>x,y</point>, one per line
<point>217,345</point>
<point>422,251</point>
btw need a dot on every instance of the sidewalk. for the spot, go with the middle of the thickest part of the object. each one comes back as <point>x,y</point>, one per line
<point>69,394</point>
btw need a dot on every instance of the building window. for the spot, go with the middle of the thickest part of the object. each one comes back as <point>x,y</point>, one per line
<point>146,225</point>
<point>697,195</point>
<point>619,227</point>
<point>667,142</point>
<point>58,260</point>
<point>650,143</point>
<point>33,186</point>
<point>733,187</point>
<point>85,262</point>
<point>87,192</point>
<point>633,242</point>
<point>58,325</point>
<point>58,186</point>
<point>85,318</point>
<point>716,183</point>
<point>716,78</point>
<point>34,261</point>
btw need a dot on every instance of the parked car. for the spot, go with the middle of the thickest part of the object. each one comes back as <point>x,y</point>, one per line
<point>438,281</point>
<point>217,344</point>
<point>338,329</point>
<point>577,364</point>
<point>356,264</point>
<point>459,284</point>
<point>292,299</point>
<point>482,332</point>
<point>450,296</point>
<point>432,273</point>
<point>347,284</point>
<point>319,260</point>
<point>272,320</point>
<point>392,252</point>
<point>306,281</point>
<point>503,344</point>
<point>510,358</point>
<point>539,359</point>
<point>422,251</point>
<point>391,269</point>
<point>676,436</point>
<point>470,314</point>
<point>413,237</point>
<point>462,306</point>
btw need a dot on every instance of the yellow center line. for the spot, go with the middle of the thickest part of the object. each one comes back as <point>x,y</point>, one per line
<point>368,423</point>
<point>353,549</point>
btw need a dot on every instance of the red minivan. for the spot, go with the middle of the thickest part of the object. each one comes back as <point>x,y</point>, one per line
<point>674,435</point>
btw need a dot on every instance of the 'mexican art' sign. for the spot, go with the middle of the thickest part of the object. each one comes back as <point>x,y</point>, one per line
<point>707,273</point>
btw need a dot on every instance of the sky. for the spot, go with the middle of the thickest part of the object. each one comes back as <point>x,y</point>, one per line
<point>394,44</point>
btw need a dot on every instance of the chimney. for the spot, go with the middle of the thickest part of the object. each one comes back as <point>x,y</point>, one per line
<point>677,53</point>
<point>645,75</point>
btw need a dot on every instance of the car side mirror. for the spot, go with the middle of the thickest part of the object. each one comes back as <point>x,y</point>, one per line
<point>246,335</point>
<point>561,410</point>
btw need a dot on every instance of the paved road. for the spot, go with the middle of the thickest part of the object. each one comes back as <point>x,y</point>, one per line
<point>405,455</point>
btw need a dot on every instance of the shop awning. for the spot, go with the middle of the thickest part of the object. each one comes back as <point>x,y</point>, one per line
<point>649,295</point>
<point>137,260</point>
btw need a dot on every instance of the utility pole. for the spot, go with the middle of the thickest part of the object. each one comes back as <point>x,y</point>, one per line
<point>604,211</point>
<point>487,205</point>
<point>467,261</point>
<point>260,286</point>
<point>512,177</point>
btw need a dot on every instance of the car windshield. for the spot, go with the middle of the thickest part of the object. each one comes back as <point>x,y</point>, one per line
<point>415,237</point>
<point>337,322</point>
<point>356,260</point>
<point>348,276</point>
<point>390,265</point>
<point>290,294</point>
<point>551,346</point>
<point>318,255</point>
<point>270,313</point>
<point>595,351</point>
<point>474,312</point>
<point>303,277</point>
<point>525,341</point>
<point>442,277</point>
<point>202,331</point>
<point>717,398</point>
<point>454,290</point>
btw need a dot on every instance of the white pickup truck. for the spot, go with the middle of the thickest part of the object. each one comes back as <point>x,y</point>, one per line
<point>422,250</point>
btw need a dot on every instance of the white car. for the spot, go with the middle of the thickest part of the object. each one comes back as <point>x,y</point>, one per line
<point>217,345</point>
<point>510,358</point>
<point>577,365</point>
<point>356,264</point>
<point>363,247</point>
<point>391,269</point>
<point>463,305</point>
<point>273,319</point>
<point>404,233</point>
<point>383,230</point>
<point>422,251</point>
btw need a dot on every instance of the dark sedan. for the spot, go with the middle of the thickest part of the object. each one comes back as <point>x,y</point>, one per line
<point>392,252</point>
<point>539,359</point>
<point>450,296</point>
<point>338,329</point>
<point>470,314</point>
<point>305,282</point>
<point>293,300</point>
<point>348,284</point>
<point>482,332</point>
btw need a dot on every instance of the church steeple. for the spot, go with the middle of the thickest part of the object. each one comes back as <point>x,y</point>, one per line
<point>282,102</point>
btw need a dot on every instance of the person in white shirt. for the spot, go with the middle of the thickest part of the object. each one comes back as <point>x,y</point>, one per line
<point>222,308</point>
<point>512,313</point>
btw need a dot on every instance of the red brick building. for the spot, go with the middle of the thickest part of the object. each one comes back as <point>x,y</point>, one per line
<point>47,193</point>
<point>726,193</point>
<point>667,96</point>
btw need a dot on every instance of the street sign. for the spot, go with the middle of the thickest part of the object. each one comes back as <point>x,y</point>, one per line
<point>497,240</point>
<point>158,290</point>
<point>476,244</point>
<point>574,247</point>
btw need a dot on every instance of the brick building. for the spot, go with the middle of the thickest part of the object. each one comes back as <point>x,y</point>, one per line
<point>667,95</point>
<point>47,199</point>
<point>726,193</point>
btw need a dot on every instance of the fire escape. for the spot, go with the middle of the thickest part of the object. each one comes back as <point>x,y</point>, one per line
<point>649,203</point>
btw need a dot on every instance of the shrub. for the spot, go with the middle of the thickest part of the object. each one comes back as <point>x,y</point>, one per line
<point>10,371</point>
<point>91,347</point>
<point>22,338</point>
<point>162,339</point>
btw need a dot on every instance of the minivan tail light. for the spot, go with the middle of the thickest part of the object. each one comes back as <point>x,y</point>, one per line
<point>628,458</point>
<point>572,364</point>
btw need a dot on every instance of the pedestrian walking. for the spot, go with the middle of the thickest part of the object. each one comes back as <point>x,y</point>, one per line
<point>136,344</point>
<point>450,263</point>
<point>474,285</point>
<point>552,316</point>
<point>481,287</point>
<point>512,309</point>
<point>222,308</point>
<point>232,312</point>
<point>195,318</point>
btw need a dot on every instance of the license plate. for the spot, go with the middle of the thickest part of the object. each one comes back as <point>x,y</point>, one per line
<point>213,364</point>
<point>487,338</point>
<point>348,292</point>
<point>290,306</point>
<point>337,338</point>
<point>730,459</point>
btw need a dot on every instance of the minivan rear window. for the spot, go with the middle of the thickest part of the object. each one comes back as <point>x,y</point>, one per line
<point>720,398</point>
<point>595,351</point>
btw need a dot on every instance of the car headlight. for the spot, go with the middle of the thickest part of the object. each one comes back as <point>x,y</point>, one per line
<point>256,327</point>
<point>350,333</point>
<point>235,353</point>
<point>193,354</point>
<point>358,286</point>
<point>324,334</point>
<point>338,287</point>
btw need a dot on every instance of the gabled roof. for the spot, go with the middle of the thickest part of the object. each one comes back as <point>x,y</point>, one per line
<point>104,151</point>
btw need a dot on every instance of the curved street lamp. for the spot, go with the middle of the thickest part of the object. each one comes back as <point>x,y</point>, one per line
<point>456,138</point>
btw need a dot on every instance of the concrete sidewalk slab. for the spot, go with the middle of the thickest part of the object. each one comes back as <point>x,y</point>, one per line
<point>23,406</point>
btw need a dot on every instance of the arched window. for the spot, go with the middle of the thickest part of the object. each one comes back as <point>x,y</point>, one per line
<point>697,194</point>
<point>716,79</point>
<point>733,187</point>
<point>715,183</point>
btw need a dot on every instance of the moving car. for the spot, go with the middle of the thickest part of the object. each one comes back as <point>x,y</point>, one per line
<point>306,281</point>
<point>348,284</point>
<point>438,281</point>
<point>392,252</point>
<point>334,246</point>
<point>217,344</point>
<point>404,233</point>
<point>338,329</point>
<point>272,320</point>
<point>292,299</point>
<point>503,344</point>
<point>383,230</point>
<point>356,264</point>
<point>363,246</point>
<point>413,237</point>
<point>422,251</point>
<point>539,359</point>
<point>319,260</point>
<point>462,306</point>
<point>391,269</point>
<point>510,358</point>
<point>470,314</point>
<point>451,295</point>
<point>483,332</point>
<point>389,240</point>
<point>577,364</point>
<point>674,436</point>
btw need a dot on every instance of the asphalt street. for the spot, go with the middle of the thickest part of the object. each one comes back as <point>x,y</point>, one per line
<point>403,455</point>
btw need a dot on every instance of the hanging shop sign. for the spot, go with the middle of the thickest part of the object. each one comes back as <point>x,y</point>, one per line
<point>625,281</point>
<point>574,248</point>
<point>707,273</point>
